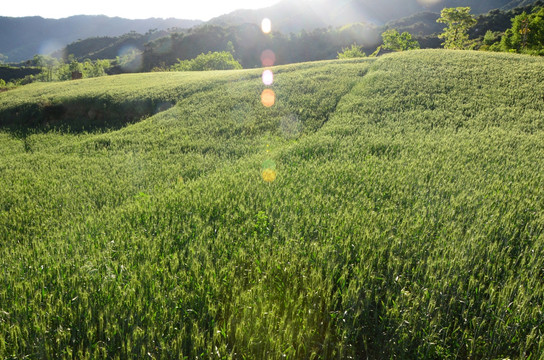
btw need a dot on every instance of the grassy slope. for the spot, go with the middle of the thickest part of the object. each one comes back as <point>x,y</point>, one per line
<point>406,220</point>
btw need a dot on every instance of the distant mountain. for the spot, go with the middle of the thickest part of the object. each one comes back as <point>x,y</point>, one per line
<point>295,15</point>
<point>109,47</point>
<point>22,38</point>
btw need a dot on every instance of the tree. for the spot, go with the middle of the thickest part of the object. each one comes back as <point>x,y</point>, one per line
<point>96,68</point>
<point>458,21</point>
<point>48,66</point>
<point>3,58</point>
<point>526,34</point>
<point>392,40</point>
<point>230,48</point>
<point>354,52</point>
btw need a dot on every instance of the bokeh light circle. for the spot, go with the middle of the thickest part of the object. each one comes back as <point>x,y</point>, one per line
<point>268,58</point>
<point>268,98</point>
<point>268,77</point>
<point>266,26</point>
<point>268,172</point>
<point>291,126</point>
<point>269,175</point>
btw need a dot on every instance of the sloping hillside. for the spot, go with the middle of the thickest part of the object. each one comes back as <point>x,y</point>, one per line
<point>387,208</point>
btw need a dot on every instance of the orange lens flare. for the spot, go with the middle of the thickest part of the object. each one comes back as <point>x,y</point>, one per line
<point>269,175</point>
<point>268,98</point>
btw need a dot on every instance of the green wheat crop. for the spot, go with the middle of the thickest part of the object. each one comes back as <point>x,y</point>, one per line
<point>405,219</point>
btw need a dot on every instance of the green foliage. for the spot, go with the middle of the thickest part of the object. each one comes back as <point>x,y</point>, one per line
<point>355,51</point>
<point>249,42</point>
<point>491,37</point>
<point>526,34</point>
<point>458,21</point>
<point>403,224</point>
<point>210,61</point>
<point>392,40</point>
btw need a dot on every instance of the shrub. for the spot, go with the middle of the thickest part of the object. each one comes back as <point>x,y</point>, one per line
<point>355,51</point>
<point>210,61</point>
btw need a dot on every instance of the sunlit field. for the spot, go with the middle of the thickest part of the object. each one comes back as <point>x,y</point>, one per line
<point>388,208</point>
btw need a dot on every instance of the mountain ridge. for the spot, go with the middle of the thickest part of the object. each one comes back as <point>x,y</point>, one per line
<point>23,37</point>
<point>324,13</point>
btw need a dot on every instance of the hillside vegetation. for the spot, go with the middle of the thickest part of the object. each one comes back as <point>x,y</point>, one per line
<point>406,219</point>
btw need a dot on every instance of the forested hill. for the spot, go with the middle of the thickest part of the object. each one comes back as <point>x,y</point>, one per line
<point>22,38</point>
<point>295,15</point>
<point>424,24</point>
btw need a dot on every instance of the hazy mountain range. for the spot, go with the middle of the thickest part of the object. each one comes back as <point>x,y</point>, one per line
<point>295,15</point>
<point>22,38</point>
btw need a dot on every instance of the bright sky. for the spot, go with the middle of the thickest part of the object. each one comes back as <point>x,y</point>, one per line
<point>135,9</point>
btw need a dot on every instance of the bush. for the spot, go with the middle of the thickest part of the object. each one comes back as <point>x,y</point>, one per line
<point>210,61</point>
<point>355,51</point>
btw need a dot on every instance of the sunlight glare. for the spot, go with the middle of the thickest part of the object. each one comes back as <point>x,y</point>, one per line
<point>266,26</point>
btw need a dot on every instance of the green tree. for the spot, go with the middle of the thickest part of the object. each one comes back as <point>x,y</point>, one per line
<point>526,34</point>
<point>96,68</point>
<point>458,21</point>
<point>65,70</point>
<point>392,40</point>
<point>210,61</point>
<point>230,48</point>
<point>48,65</point>
<point>491,37</point>
<point>75,65</point>
<point>355,51</point>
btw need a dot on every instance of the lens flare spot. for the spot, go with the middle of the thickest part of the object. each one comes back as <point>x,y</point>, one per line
<point>266,26</point>
<point>268,171</point>
<point>291,126</point>
<point>268,97</point>
<point>51,46</point>
<point>269,175</point>
<point>269,164</point>
<point>268,77</point>
<point>130,59</point>
<point>268,58</point>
